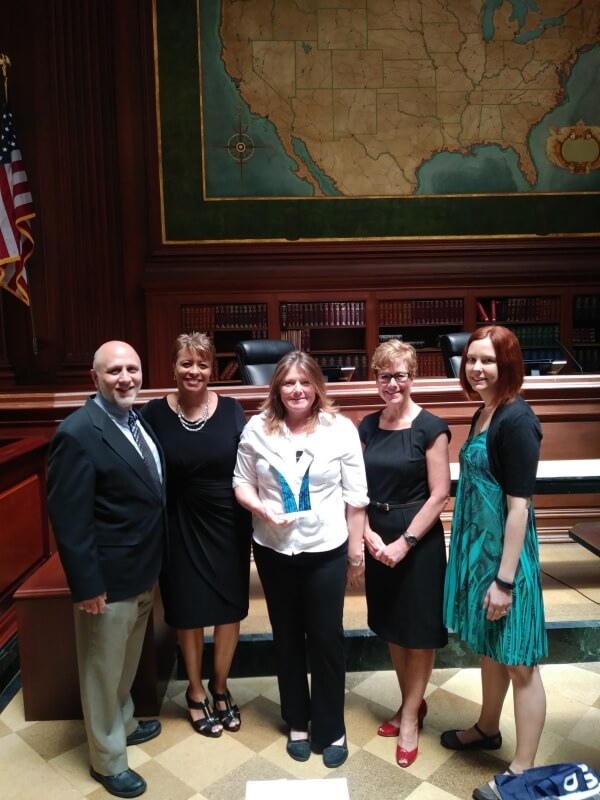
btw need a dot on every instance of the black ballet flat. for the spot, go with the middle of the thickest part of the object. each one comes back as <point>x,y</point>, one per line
<point>229,717</point>
<point>450,740</point>
<point>203,726</point>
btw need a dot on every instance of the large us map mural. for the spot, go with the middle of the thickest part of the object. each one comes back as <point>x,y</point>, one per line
<point>325,119</point>
<point>377,98</point>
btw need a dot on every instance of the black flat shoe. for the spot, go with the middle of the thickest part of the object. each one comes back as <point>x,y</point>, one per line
<point>147,729</point>
<point>334,755</point>
<point>229,716</point>
<point>450,740</point>
<point>487,792</point>
<point>299,749</point>
<point>125,784</point>
<point>207,725</point>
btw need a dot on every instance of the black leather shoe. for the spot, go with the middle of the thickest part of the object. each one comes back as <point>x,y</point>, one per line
<point>147,729</point>
<point>125,784</point>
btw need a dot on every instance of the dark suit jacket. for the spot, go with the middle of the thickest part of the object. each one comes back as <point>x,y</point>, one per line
<point>108,517</point>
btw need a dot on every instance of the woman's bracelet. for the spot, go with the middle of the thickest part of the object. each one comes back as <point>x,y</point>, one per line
<point>358,563</point>
<point>504,584</point>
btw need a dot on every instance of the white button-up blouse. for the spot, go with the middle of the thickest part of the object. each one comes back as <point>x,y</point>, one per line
<point>311,480</point>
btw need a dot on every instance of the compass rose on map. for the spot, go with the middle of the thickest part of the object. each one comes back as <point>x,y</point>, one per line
<point>240,146</point>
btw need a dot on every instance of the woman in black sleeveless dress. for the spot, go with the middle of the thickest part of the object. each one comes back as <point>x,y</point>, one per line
<point>408,475</point>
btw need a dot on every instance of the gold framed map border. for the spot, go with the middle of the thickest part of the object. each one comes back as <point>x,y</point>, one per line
<point>189,218</point>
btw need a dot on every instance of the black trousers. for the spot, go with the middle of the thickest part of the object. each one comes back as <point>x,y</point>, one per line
<point>305,600</point>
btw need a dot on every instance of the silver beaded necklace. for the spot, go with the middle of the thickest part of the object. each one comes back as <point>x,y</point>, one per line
<point>193,425</point>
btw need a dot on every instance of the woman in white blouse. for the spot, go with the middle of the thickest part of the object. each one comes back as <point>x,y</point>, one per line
<point>300,472</point>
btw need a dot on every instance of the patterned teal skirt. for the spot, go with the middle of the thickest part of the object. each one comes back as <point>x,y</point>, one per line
<point>475,553</point>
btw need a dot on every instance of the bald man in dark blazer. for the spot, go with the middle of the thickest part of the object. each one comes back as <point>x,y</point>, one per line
<point>107,506</point>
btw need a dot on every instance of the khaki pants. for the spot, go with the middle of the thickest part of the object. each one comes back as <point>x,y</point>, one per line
<point>108,653</point>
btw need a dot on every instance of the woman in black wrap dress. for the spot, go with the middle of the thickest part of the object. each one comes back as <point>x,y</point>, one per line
<point>205,577</point>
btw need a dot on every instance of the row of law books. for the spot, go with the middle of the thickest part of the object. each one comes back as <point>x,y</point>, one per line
<point>327,314</point>
<point>225,316</point>
<point>586,335</point>
<point>430,363</point>
<point>518,309</point>
<point>448,311</point>
<point>386,337</point>
<point>536,335</point>
<point>586,308</point>
<point>299,337</point>
<point>588,358</point>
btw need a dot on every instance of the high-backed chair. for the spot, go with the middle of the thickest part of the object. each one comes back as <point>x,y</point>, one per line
<point>257,359</point>
<point>452,346</point>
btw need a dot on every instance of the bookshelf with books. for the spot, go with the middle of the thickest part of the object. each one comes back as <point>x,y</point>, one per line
<point>586,331</point>
<point>342,328</point>
<point>333,331</point>
<point>420,322</point>
<point>534,319</point>
<point>227,324</point>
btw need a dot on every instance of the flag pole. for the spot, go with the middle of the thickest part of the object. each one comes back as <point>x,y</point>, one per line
<point>4,64</point>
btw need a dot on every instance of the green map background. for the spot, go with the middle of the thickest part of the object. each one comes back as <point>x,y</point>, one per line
<point>187,217</point>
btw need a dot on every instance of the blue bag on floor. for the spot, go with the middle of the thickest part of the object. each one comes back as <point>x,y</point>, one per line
<point>557,781</point>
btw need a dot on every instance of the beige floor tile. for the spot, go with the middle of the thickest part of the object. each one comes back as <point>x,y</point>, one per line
<point>569,750</point>
<point>572,682</point>
<point>381,688</point>
<point>549,743</point>
<point>562,713</point>
<point>426,791</point>
<point>192,756</point>
<point>17,758</point>
<point>14,714</point>
<point>41,782</point>
<point>163,784</point>
<point>587,729</point>
<point>465,683</point>
<point>74,766</point>
<point>52,738</point>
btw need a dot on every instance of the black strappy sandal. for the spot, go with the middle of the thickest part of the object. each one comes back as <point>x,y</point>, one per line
<point>204,726</point>
<point>229,717</point>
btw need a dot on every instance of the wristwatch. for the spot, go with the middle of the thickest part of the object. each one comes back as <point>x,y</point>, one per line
<point>412,540</point>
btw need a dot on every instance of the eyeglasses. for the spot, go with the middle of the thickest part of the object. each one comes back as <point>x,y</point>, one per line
<point>399,377</point>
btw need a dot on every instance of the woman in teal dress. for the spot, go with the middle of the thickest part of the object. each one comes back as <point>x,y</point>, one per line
<point>493,591</point>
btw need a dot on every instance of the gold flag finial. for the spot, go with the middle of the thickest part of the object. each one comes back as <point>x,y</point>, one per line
<point>4,64</point>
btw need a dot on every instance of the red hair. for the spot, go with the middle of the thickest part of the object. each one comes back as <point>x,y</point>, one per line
<point>509,360</point>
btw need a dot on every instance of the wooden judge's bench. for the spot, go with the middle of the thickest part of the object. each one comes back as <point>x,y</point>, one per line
<point>31,577</point>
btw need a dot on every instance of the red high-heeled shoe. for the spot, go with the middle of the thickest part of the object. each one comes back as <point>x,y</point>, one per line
<point>389,729</point>
<point>404,758</point>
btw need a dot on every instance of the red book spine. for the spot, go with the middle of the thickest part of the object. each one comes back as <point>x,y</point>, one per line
<point>482,312</point>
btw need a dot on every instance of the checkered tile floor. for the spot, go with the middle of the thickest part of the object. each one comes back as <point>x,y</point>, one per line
<point>47,760</point>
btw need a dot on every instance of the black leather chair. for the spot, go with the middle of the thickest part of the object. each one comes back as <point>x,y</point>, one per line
<point>257,359</point>
<point>452,346</point>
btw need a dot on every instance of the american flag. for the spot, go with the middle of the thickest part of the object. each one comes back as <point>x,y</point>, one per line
<point>16,212</point>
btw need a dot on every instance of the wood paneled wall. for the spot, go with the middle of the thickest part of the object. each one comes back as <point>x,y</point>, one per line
<point>25,540</point>
<point>82,93</point>
<point>77,89</point>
